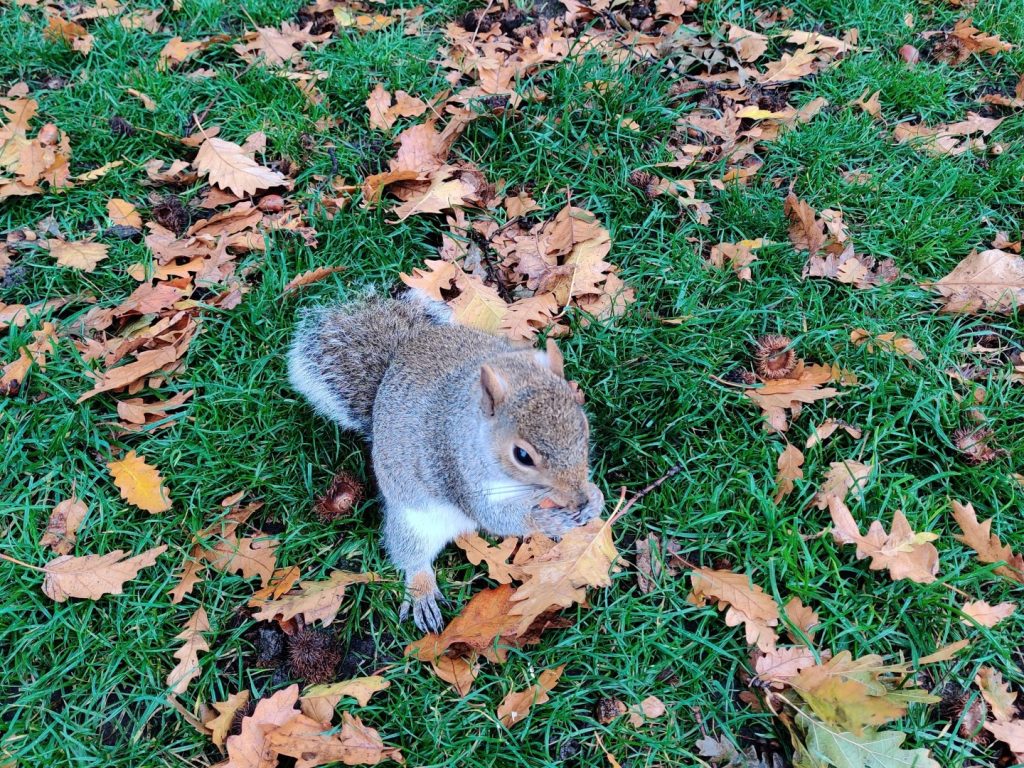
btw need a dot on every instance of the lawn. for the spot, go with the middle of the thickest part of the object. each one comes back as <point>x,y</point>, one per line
<point>83,681</point>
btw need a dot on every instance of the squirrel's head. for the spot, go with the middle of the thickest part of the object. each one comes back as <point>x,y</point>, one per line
<point>538,433</point>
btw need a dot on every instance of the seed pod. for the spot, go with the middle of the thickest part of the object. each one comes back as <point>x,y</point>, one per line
<point>313,655</point>
<point>773,357</point>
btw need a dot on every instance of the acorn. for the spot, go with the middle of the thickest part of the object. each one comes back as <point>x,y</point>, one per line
<point>646,182</point>
<point>974,445</point>
<point>345,492</point>
<point>313,655</point>
<point>773,357</point>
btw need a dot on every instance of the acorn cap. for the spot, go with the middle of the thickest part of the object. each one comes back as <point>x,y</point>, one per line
<point>773,357</point>
<point>341,497</point>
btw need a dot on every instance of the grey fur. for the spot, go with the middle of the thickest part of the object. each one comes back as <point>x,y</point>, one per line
<point>405,378</point>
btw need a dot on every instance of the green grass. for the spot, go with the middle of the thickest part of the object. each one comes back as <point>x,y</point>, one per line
<point>82,682</point>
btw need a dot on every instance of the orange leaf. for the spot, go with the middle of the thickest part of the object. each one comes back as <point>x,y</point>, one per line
<point>140,484</point>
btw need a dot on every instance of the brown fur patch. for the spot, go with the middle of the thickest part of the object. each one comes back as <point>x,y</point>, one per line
<point>422,584</point>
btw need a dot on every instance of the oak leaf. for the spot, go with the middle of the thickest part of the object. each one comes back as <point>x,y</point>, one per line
<point>827,428</point>
<point>191,574</point>
<point>997,694</point>
<point>277,46</point>
<point>906,555</point>
<point>886,342</point>
<point>559,577</point>
<point>248,556</point>
<point>63,525</point>
<point>870,749</point>
<point>841,478</point>
<point>985,614</point>
<point>318,702</point>
<point>447,190</point>
<point>140,483</point>
<point>136,410</point>
<point>976,41</point>
<point>478,550</point>
<point>991,281</point>
<point>249,748</point>
<point>307,278</point>
<point>743,602</point>
<point>83,255</point>
<point>315,600</point>
<point>778,396</point>
<point>383,113</point>
<point>93,576</point>
<point>75,35</point>
<point>221,725</point>
<point>229,167</point>
<point>187,668</point>
<point>979,537</point>
<point>790,462</point>
<point>650,708</point>
<point>739,256</point>
<point>123,214</point>
<point>458,671</point>
<point>281,582</point>
<point>305,739</point>
<point>792,66</point>
<point>516,705</point>
<point>802,617</point>
<point>146,362</point>
<point>778,666</point>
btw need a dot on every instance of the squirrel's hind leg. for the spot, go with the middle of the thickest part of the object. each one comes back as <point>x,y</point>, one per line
<point>413,536</point>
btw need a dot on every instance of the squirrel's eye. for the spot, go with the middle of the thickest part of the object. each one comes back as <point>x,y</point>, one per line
<point>521,456</point>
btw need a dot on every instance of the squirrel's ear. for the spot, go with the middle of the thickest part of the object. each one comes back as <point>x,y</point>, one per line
<point>555,361</point>
<point>494,389</point>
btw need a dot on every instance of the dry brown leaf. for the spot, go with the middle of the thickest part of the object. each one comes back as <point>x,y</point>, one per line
<point>136,410</point>
<point>906,555</point>
<point>384,114</point>
<point>63,525</point>
<point>248,748</point>
<point>177,51</point>
<point>802,386</point>
<point>307,278</point>
<point>749,46</point>
<point>281,582</point>
<point>458,671</point>
<point>997,693</point>
<point>870,104</point>
<point>559,578</point>
<point>191,574</point>
<point>840,479</point>
<point>979,537</point>
<point>886,342</point>
<point>140,484</point>
<point>229,167</point>
<point>304,738</point>
<point>743,602</point>
<point>318,702</point>
<point>220,725</point>
<point>315,600</point>
<point>985,614</point>
<point>803,618</point>
<point>947,139</point>
<point>146,362</point>
<point>976,41</point>
<point>516,705</point>
<point>778,666</point>
<point>146,100</point>
<point>248,556</point>
<point>792,66</point>
<point>825,430</point>
<point>991,281</point>
<point>93,576</point>
<point>83,255</point>
<point>123,214</point>
<point>650,708</point>
<point>739,256</point>
<point>75,35</point>
<point>187,668</point>
<point>478,550</point>
<point>790,462</point>
<point>277,46</point>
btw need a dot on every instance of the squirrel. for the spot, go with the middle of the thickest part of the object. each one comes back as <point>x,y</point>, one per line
<point>467,430</point>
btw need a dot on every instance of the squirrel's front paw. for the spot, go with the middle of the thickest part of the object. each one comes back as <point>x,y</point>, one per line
<point>425,599</point>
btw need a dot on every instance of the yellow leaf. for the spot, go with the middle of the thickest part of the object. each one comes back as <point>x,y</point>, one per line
<point>140,484</point>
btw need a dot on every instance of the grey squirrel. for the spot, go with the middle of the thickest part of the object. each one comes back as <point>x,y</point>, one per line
<point>467,430</point>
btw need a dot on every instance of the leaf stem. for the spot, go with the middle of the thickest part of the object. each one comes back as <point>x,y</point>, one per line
<point>22,563</point>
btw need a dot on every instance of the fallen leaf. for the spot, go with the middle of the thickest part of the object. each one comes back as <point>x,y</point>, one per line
<point>886,342</point>
<point>307,278</point>
<point>979,537</point>
<point>318,702</point>
<point>75,35</point>
<point>985,614</point>
<point>559,577</point>
<point>146,100</point>
<point>248,556</point>
<point>997,693</point>
<point>83,255</point>
<point>825,430</point>
<point>738,255</point>
<point>63,525</point>
<point>743,602</point>
<point>226,715</point>
<point>991,281</point>
<point>516,705</point>
<point>305,739</point>
<point>778,396</point>
<point>841,478</point>
<point>229,167</point>
<point>315,600</point>
<point>140,484</point>
<point>93,576</point>
<point>277,46</point>
<point>248,748</point>
<point>190,576</point>
<point>123,214</point>
<point>146,362</point>
<point>650,708</point>
<point>871,749</point>
<point>906,555</point>
<point>478,550</point>
<point>384,114</point>
<point>187,668</point>
<point>777,667</point>
<point>790,462</point>
<point>803,618</point>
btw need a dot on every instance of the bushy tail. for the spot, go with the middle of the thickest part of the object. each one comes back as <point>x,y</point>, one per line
<point>339,353</point>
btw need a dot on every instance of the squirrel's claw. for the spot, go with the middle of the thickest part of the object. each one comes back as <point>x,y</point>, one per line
<point>426,613</point>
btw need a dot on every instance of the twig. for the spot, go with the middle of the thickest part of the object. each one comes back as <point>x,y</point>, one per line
<point>621,509</point>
